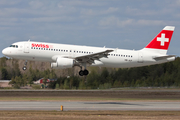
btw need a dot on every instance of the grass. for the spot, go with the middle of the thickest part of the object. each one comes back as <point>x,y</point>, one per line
<point>89,115</point>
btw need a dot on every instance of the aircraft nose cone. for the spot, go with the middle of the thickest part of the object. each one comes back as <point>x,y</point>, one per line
<point>4,51</point>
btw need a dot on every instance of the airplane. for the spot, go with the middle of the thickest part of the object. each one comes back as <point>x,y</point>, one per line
<point>67,56</point>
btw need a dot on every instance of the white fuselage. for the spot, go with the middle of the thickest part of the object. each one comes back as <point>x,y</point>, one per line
<point>119,58</point>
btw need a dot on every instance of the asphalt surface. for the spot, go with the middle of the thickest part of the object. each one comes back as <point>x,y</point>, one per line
<point>141,106</point>
<point>141,94</point>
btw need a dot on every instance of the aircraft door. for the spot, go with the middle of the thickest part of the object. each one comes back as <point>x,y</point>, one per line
<point>140,57</point>
<point>26,47</point>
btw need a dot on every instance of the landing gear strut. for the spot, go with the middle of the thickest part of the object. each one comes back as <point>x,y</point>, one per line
<point>83,72</point>
<point>25,64</point>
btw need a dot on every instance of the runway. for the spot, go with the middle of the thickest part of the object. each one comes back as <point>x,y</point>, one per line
<point>139,106</point>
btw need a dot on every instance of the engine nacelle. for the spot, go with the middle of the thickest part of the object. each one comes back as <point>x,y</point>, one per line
<point>62,63</point>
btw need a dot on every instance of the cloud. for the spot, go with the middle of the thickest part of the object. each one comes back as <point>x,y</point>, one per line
<point>143,12</point>
<point>9,2</point>
<point>111,10</point>
<point>150,22</point>
<point>36,4</point>
<point>176,3</point>
<point>83,3</point>
<point>48,19</point>
<point>115,21</point>
<point>98,12</point>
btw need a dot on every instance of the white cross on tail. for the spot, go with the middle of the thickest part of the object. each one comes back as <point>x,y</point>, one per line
<point>162,39</point>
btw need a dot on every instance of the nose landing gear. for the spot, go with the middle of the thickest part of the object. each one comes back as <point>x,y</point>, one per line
<point>25,64</point>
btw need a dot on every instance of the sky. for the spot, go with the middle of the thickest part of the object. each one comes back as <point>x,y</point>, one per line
<point>123,24</point>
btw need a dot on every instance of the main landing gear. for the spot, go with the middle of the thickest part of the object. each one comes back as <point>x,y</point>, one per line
<point>25,64</point>
<point>83,72</point>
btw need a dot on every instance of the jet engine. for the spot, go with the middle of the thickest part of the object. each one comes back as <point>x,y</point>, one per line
<point>62,63</point>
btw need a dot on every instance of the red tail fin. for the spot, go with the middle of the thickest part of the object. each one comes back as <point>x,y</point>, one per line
<point>163,39</point>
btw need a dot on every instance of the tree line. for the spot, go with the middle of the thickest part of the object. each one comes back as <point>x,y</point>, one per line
<point>161,75</point>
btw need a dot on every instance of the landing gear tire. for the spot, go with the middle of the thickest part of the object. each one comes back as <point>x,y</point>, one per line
<point>24,68</point>
<point>81,73</point>
<point>85,72</point>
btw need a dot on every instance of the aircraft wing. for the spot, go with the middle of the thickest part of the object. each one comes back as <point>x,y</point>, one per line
<point>91,57</point>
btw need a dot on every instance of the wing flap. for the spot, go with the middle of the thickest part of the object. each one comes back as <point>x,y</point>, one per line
<point>91,57</point>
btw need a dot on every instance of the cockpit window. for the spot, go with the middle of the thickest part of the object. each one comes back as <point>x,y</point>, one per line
<point>14,46</point>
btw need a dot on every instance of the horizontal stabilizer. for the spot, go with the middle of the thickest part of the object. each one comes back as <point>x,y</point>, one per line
<point>163,57</point>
